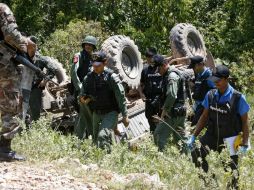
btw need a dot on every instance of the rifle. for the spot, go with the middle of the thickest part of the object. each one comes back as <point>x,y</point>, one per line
<point>9,52</point>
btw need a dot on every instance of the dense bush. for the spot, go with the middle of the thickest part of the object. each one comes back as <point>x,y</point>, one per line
<point>63,44</point>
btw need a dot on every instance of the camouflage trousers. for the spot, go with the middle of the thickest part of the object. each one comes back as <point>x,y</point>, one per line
<point>10,101</point>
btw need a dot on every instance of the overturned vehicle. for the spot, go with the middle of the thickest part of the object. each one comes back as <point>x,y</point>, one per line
<point>124,59</point>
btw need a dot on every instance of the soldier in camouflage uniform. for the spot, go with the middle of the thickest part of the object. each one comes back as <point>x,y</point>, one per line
<point>38,83</point>
<point>10,77</point>
<point>173,109</point>
<point>103,92</point>
<point>80,67</point>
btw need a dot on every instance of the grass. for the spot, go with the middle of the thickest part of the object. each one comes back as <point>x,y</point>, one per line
<point>43,144</point>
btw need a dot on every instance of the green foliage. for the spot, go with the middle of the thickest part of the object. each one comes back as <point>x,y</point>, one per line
<point>226,24</point>
<point>41,143</point>
<point>63,44</point>
<point>242,71</point>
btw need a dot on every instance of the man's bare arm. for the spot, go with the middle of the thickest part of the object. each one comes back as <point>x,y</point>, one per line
<point>201,122</point>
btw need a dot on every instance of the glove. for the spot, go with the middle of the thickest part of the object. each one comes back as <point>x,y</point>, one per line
<point>242,150</point>
<point>190,142</point>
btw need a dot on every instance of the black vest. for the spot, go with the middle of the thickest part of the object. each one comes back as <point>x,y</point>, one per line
<point>201,87</point>
<point>99,88</point>
<point>224,121</point>
<point>181,92</point>
<point>152,82</point>
<point>84,65</point>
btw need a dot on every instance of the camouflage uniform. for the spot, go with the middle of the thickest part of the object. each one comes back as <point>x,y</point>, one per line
<point>36,92</point>
<point>10,77</point>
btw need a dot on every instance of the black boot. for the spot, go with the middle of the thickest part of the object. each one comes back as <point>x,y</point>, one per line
<point>6,154</point>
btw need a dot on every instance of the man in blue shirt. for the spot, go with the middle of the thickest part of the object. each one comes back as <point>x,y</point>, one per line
<point>226,114</point>
<point>201,87</point>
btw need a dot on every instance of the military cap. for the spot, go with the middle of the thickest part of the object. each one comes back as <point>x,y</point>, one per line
<point>151,51</point>
<point>158,60</point>
<point>98,57</point>
<point>33,39</point>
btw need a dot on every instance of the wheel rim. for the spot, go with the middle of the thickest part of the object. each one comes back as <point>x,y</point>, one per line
<point>129,62</point>
<point>193,44</point>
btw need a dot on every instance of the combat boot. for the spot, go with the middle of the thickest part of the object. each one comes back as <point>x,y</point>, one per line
<point>6,154</point>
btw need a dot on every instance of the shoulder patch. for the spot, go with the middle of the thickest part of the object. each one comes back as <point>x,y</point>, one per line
<point>75,59</point>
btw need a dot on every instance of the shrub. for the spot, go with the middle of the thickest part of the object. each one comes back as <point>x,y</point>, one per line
<point>63,44</point>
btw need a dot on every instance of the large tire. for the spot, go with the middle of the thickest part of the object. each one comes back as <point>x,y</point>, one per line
<point>124,59</point>
<point>50,96</point>
<point>186,41</point>
<point>60,71</point>
<point>210,61</point>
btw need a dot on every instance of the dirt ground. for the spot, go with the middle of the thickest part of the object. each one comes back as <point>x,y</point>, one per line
<point>27,176</point>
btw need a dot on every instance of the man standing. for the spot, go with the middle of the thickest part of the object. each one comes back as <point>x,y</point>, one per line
<point>10,77</point>
<point>226,112</point>
<point>151,88</point>
<point>173,110</point>
<point>202,85</point>
<point>39,84</point>
<point>81,66</point>
<point>103,92</point>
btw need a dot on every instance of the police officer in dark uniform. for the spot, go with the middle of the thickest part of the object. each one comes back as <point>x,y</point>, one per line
<point>202,85</point>
<point>151,84</point>
<point>226,113</point>
<point>103,92</point>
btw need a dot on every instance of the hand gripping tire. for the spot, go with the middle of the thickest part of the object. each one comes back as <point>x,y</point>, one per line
<point>186,40</point>
<point>124,59</point>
